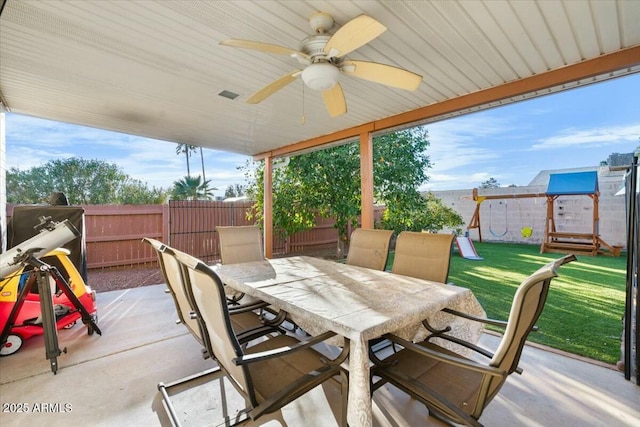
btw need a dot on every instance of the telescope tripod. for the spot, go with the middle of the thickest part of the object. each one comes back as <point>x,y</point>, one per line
<point>44,272</point>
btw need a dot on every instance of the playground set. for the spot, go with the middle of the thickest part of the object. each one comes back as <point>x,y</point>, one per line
<point>561,184</point>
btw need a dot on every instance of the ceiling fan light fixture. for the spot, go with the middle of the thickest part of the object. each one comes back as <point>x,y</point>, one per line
<point>321,76</point>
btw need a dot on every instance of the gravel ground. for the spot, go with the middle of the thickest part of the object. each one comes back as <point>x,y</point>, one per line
<point>114,279</point>
<point>125,278</point>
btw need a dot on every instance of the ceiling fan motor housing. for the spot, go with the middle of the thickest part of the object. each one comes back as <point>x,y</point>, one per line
<point>314,46</point>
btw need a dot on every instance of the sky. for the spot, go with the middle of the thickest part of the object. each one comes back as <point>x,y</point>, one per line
<point>571,129</point>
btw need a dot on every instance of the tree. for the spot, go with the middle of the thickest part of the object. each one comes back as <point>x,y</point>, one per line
<point>235,190</point>
<point>137,193</point>
<point>204,178</point>
<point>328,182</point>
<point>427,213</point>
<point>191,188</point>
<point>83,182</point>
<point>289,213</point>
<point>490,183</point>
<point>187,150</point>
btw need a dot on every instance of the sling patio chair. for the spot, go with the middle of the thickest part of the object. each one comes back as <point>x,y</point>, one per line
<point>456,389</point>
<point>369,248</point>
<point>244,319</point>
<point>244,244</point>
<point>423,255</point>
<point>269,374</point>
<point>239,244</point>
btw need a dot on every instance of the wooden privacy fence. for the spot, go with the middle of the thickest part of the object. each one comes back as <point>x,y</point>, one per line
<point>113,233</point>
<point>192,225</point>
<point>192,229</point>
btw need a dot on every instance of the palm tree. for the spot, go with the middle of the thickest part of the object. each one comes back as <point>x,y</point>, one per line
<point>187,150</point>
<point>204,178</point>
<point>192,188</point>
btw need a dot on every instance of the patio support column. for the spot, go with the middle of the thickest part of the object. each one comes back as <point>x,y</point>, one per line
<point>366,179</point>
<point>3,181</point>
<point>268,207</point>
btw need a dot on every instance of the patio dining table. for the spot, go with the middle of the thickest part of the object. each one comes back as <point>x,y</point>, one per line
<point>356,303</point>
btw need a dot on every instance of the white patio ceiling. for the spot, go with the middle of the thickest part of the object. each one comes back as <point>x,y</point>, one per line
<point>154,68</point>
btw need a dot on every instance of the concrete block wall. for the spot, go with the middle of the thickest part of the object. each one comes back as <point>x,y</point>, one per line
<point>502,220</point>
<point>613,220</point>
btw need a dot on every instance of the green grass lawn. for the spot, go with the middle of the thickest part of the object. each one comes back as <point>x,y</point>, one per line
<point>585,304</point>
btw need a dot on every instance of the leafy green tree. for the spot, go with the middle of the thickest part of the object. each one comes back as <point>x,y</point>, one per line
<point>426,213</point>
<point>83,182</point>
<point>290,215</point>
<point>490,183</point>
<point>137,193</point>
<point>328,182</point>
<point>192,188</point>
<point>235,190</point>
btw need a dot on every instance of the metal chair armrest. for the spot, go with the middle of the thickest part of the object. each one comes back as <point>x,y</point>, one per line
<point>282,351</point>
<point>243,308</point>
<point>445,358</point>
<point>493,322</point>
<point>257,332</point>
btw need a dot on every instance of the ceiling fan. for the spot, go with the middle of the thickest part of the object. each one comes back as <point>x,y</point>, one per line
<point>323,56</point>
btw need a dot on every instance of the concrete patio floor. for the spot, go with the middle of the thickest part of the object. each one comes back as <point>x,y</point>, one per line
<point>111,380</point>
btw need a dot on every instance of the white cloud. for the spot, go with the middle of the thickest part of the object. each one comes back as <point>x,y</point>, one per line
<point>590,137</point>
<point>441,182</point>
<point>459,152</point>
<point>459,142</point>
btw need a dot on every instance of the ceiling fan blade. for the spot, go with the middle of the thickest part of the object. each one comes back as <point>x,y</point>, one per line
<point>355,33</point>
<point>334,100</point>
<point>264,47</point>
<point>383,74</point>
<point>273,87</point>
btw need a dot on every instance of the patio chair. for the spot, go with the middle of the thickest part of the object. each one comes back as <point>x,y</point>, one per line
<point>423,255</point>
<point>269,374</point>
<point>243,244</point>
<point>244,319</point>
<point>239,244</point>
<point>456,389</point>
<point>369,248</point>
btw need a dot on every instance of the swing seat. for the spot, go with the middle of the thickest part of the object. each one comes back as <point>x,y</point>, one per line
<point>506,223</point>
<point>526,232</point>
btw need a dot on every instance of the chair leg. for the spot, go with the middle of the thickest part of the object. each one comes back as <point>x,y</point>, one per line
<point>164,390</point>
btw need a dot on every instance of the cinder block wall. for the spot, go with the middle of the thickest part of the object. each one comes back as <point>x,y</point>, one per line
<point>502,220</point>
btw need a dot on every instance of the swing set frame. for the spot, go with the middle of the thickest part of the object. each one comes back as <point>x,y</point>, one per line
<point>475,219</point>
<point>563,242</point>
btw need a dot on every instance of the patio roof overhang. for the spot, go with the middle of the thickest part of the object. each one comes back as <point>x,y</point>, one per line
<point>156,69</point>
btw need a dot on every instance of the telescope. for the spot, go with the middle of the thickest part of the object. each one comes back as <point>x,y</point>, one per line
<point>51,235</point>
